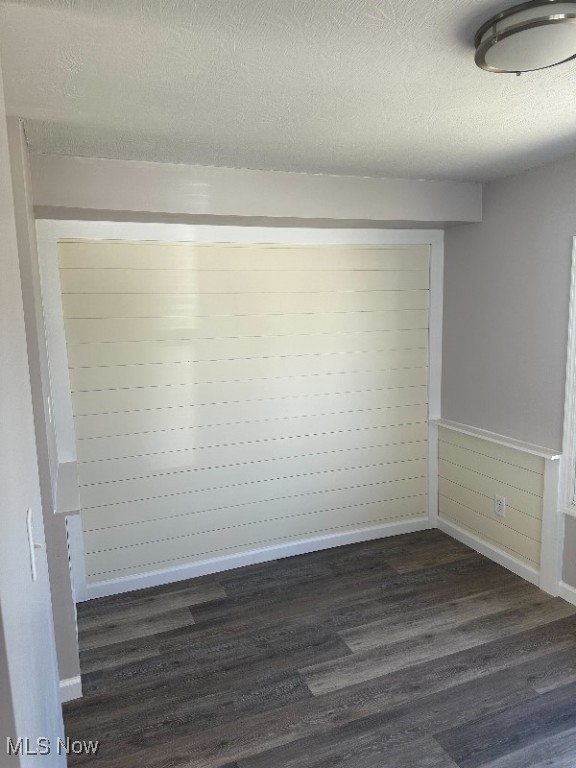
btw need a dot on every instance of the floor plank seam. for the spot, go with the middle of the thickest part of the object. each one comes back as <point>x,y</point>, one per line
<point>393,653</point>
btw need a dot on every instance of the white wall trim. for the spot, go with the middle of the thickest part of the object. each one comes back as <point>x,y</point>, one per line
<point>63,419</point>
<point>567,474</point>
<point>70,689</point>
<point>68,491</point>
<point>435,371</point>
<point>76,554</point>
<point>433,473</point>
<point>489,550</point>
<point>568,469</point>
<point>551,546</point>
<point>218,564</point>
<point>566,592</point>
<point>569,511</point>
<point>51,231</point>
<point>54,230</point>
<point>493,437</point>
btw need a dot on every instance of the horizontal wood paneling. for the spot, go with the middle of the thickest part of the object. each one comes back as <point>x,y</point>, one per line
<point>232,256</point>
<point>129,376</point>
<point>129,422</point>
<point>263,469</point>
<point>154,281</point>
<point>470,478</point>
<point>145,535</point>
<point>313,492</point>
<point>209,544</point>
<point>120,446</point>
<point>484,505</point>
<point>503,453</point>
<point>472,472</point>
<point>226,397</point>
<point>155,352</point>
<point>140,329</point>
<point>507,474</point>
<point>115,400</point>
<point>220,479</point>
<point>492,530</point>
<point>87,305</point>
<point>397,444</point>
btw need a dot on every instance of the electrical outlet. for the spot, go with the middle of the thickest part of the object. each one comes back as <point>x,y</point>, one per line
<point>499,506</point>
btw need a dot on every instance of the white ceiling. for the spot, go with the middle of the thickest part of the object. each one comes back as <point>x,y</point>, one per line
<point>367,87</point>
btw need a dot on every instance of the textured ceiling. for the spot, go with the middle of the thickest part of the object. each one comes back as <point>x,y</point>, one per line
<point>367,87</point>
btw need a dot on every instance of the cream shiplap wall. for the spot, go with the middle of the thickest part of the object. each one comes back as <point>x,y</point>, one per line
<point>227,397</point>
<point>472,472</point>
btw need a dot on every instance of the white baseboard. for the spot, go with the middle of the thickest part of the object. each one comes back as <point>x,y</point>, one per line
<point>566,592</point>
<point>70,689</point>
<point>489,550</point>
<point>218,564</point>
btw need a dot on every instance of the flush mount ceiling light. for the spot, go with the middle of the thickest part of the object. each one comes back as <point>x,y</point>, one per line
<point>529,36</point>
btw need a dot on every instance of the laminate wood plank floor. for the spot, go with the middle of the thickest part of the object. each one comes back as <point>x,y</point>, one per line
<point>407,652</point>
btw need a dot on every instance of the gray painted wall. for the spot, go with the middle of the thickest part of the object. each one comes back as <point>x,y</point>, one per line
<point>506,296</point>
<point>54,524</point>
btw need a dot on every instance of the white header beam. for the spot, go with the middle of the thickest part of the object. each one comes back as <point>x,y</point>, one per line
<point>87,184</point>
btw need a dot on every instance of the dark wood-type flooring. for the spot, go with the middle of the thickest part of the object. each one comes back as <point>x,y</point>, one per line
<point>408,652</point>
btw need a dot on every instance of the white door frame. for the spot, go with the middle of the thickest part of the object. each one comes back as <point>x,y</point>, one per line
<point>567,494</point>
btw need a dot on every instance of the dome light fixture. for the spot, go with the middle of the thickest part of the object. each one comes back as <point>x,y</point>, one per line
<point>526,37</point>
